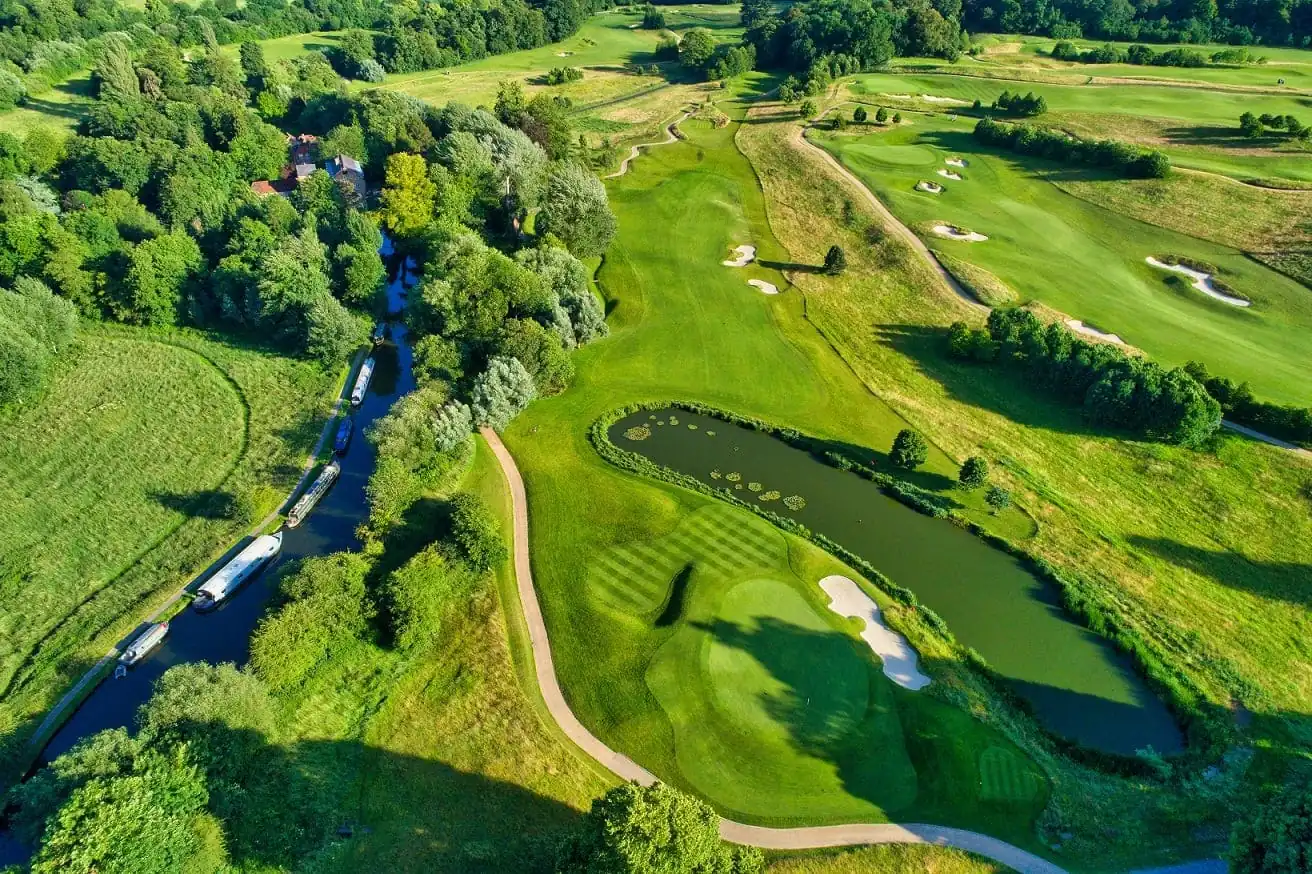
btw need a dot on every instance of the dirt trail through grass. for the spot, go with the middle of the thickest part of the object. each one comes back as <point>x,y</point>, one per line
<point>672,136</point>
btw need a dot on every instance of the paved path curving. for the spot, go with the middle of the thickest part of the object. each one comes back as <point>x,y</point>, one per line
<point>671,137</point>
<point>627,769</point>
<point>898,228</point>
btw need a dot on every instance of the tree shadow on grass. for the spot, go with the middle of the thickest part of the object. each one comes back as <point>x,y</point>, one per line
<point>278,805</point>
<point>1290,582</point>
<point>1042,168</point>
<point>792,266</point>
<point>999,387</point>
<point>205,504</point>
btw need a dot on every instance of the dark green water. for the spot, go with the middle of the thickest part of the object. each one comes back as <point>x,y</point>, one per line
<point>1080,685</point>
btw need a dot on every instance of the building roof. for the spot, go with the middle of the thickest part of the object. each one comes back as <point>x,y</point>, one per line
<point>262,188</point>
<point>344,162</point>
<point>303,170</point>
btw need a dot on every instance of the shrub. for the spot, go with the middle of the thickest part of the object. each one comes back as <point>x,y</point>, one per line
<point>974,472</point>
<point>881,115</point>
<point>476,533</point>
<point>35,328</point>
<point>1015,104</point>
<point>12,90</point>
<point>808,109</point>
<point>835,260</point>
<point>1056,146</point>
<point>859,115</point>
<point>1275,838</point>
<point>997,498</point>
<point>501,392</point>
<point>910,450</point>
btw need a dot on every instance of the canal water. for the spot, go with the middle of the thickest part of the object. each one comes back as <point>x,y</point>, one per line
<point>1081,687</point>
<point>225,634</point>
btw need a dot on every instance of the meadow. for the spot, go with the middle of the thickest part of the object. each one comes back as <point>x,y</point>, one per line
<point>1081,258</point>
<point>1202,553</point>
<point>147,454</point>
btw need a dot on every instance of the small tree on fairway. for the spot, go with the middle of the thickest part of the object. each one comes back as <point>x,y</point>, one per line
<point>1250,126</point>
<point>807,109</point>
<point>835,260</point>
<point>897,118</point>
<point>998,499</point>
<point>909,449</point>
<point>859,115</point>
<point>1276,838</point>
<point>974,473</point>
<point>654,830</point>
<point>881,115</point>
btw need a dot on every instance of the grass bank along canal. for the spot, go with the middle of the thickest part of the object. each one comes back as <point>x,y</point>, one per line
<point>1080,686</point>
<point>225,634</point>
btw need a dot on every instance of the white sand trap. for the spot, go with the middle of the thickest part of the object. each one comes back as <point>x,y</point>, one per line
<point>899,97</point>
<point>955,162</point>
<point>900,660</point>
<point>1201,281</point>
<point>746,255</point>
<point>634,26</point>
<point>766,287</point>
<point>948,174</point>
<point>955,233</point>
<point>922,185</point>
<point>1080,328</point>
<point>934,98</point>
<point>563,54</point>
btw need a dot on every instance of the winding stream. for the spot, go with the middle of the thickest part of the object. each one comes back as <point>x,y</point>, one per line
<point>1079,685</point>
<point>225,634</point>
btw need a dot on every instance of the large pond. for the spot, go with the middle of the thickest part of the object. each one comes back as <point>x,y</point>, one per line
<point>1081,687</point>
<point>225,634</point>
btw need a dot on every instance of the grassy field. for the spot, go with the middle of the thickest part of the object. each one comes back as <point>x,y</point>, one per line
<point>440,754</point>
<point>891,859</point>
<point>1203,552</point>
<point>1196,127</point>
<point>147,454</point>
<point>1088,261</point>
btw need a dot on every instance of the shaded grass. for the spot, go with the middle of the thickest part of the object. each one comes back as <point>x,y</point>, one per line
<point>149,454</point>
<point>1228,623</point>
<point>1088,261</point>
<point>887,859</point>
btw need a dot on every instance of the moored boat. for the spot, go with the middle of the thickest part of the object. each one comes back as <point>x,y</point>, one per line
<point>317,490</point>
<point>362,381</point>
<point>241,568</point>
<point>139,648</point>
<point>343,438</point>
<point>380,333</point>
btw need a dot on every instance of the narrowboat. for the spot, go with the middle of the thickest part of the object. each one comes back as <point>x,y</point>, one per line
<point>241,568</point>
<point>322,483</point>
<point>362,381</point>
<point>380,333</point>
<point>343,439</point>
<point>138,649</point>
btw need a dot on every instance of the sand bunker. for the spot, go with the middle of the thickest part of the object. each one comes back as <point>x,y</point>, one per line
<point>1201,281</point>
<point>765,287</point>
<point>563,54</point>
<point>1080,328</point>
<point>953,232</point>
<point>746,255</point>
<point>900,660</point>
<point>948,174</point>
<point>932,188</point>
<point>932,98</point>
<point>955,162</point>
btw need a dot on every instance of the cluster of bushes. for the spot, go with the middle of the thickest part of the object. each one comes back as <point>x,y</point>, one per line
<point>1016,104</point>
<point>1078,596</point>
<point>652,18</point>
<point>1111,387</point>
<point>1145,56</point>
<point>563,75</point>
<point>1109,154</point>
<point>1240,406</point>
<point>1254,126</point>
<point>35,328</point>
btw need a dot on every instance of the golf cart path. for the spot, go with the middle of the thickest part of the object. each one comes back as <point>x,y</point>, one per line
<point>900,229</point>
<point>627,769</point>
<point>96,671</point>
<point>670,137</point>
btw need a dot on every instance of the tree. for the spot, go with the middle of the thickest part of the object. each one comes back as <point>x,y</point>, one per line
<point>881,115</point>
<point>1250,126</point>
<point>156,279</point>
<point>476,532</point>
<point>12,90</point>
<point>1274,838</point>
<point>254,65</point>
<point>859,115</point>
<point>408,193</point>
<point>897,118</point>
<point>35,327</point>
<point>808,109</point>
<point>576,209</point>
<point>360,274</point>
<point>997,498</point>
<point>974,473</point>
<point>114,76</point>
<point>652,18</point>
<point>653,830</point>
<point>835,260</point>
<point>910,450</point>
<point>696,48</point>
<point>501,392</point>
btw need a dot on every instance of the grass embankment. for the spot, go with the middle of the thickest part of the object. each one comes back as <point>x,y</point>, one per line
<point>891,859</point>
<point>439,754</point>
<point>147,454</point>
<point>1088,261</point>
<point>1196,127</point>
<point>710,694</point>
<point>1202,553</point>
